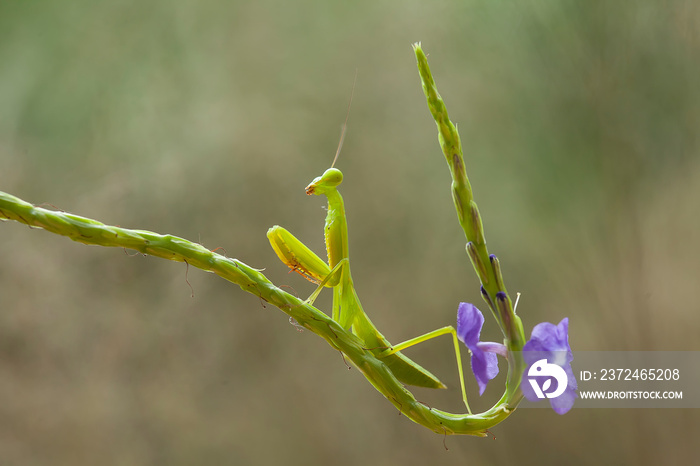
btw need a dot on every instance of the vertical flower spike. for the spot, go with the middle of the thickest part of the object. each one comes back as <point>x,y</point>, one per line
<point>484,364</point>
<point>551,342</point>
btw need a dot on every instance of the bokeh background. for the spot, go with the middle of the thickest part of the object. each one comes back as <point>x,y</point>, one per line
<point>206,119</point>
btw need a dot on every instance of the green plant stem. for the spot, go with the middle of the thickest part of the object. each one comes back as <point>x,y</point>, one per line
<point>487,267</point>
<point>88,231</point>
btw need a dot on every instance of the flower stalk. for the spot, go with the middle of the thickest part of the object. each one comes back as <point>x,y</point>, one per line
<point>486,266</point>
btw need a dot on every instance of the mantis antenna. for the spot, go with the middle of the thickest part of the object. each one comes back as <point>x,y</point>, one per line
<point>345,124</point>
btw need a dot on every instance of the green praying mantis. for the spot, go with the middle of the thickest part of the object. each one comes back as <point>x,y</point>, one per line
<point>347,310</point>
<point>348,329</point>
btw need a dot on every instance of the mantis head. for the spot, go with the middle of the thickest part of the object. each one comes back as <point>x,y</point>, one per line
<point>330,179</point>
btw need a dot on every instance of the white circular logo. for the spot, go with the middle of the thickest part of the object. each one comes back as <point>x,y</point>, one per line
<point>544,369</point>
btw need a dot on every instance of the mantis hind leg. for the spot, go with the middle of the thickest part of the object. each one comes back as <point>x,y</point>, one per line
<point>435,333</point>
<point>406,370</point>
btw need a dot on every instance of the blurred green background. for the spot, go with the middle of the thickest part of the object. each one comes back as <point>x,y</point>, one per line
<point>206,119</point>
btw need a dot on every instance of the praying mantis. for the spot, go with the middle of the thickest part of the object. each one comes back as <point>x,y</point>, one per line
<point>347,310</point>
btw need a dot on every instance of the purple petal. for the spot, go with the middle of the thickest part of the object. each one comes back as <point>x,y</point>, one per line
<point>484,367</point>
<point>493,347</point>
<point>564,402</point>
<point>469,323</point>
<point>551,342</point>
<point>549,337</point>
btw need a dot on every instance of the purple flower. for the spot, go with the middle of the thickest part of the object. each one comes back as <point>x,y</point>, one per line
<point>484,360</point>
<point>548,354</point>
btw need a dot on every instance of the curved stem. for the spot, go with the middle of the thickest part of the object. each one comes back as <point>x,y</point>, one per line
<point>88,231</point>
